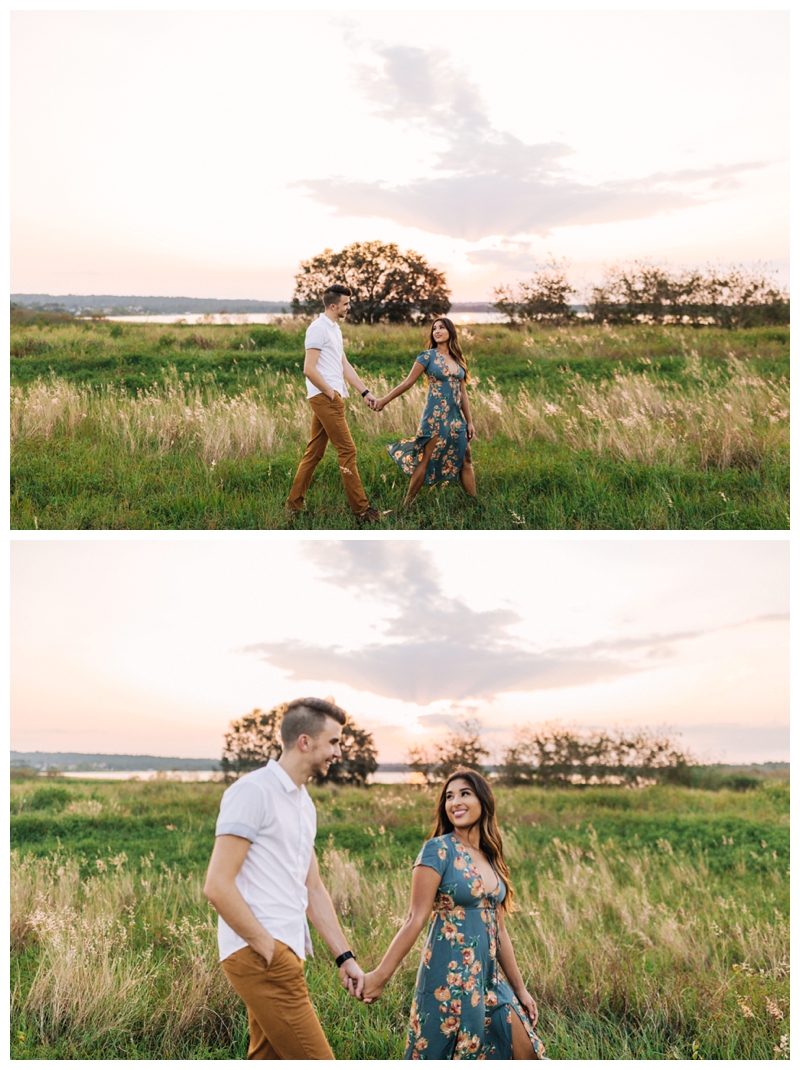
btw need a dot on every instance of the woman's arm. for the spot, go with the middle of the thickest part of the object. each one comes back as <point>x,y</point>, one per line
<point>424,886</point>
<point>466,412</point>
<point>508,961</point>
<point>407,383</point>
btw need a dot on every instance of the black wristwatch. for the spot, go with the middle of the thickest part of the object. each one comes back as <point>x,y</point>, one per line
<point>345,955</point>
<point>364,392</point>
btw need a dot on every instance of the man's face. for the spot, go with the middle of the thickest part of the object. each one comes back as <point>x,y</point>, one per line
<point>324,749</point>
<point>341,308</point>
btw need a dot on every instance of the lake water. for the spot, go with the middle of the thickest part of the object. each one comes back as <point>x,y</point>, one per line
<point>243,318</point>
<point>190,775</point>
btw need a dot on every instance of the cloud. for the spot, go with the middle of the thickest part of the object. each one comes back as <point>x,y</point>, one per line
<point>433,646</point>
<point>517,255</point>
<point>485,181</point>
<point>766,742</point>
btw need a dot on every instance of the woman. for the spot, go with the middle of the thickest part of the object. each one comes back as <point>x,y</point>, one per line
<point>470,1001</point>
<point>440,452</point>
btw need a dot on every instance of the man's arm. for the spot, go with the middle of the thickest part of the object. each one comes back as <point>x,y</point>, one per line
<point>311,372</point>
<point>352,376</point>
<point>323,917</point>
<point>220,890</point>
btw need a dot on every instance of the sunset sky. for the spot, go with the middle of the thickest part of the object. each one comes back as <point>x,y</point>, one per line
<point>206,154</point>
<point>154,646</point>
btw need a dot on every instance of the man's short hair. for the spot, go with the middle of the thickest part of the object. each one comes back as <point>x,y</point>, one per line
<point>306,716</point>
<point>334,293</point>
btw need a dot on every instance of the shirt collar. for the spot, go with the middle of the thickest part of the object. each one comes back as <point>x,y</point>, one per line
<point>283,777</point>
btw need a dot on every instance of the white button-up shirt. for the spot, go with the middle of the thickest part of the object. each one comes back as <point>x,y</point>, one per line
<point>326,336</point>
<point>267,808</point>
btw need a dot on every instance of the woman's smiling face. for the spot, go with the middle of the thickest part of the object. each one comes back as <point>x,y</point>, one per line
<point>440,332</point>
<point>461,804</point>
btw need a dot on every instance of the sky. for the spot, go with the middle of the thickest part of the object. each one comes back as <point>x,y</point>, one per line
<point>206,154</point>
<point>154,646</point>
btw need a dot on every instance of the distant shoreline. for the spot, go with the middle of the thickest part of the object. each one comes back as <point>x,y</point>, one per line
<point>72,762</point>
<point>133,304</point>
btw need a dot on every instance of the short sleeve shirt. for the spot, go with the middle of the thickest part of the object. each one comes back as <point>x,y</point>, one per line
<point>267,808</point>
<point>326,336</point>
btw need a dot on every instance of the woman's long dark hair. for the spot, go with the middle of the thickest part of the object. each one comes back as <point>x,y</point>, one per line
<point>452,343</point>
<point>491,842</point>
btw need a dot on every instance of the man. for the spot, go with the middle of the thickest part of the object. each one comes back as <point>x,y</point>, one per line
<point>326,368</point>
<point>263,879</point>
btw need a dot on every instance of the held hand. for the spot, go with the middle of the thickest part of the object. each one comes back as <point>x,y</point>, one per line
<point>529,1003</point>
<point>352,978</point>
<point>373,988</point>
<point>381,404</point>
<point>470,432</point>
<point>371,401</point>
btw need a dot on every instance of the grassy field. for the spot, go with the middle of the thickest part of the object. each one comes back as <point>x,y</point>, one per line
<point>147,426</point>
<point>653,924</point>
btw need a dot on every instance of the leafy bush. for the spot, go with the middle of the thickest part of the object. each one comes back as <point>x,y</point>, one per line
<point>460,749</point>
<point>552,755</point>
<point>28,347</point>
<point>265,337</point>
<point>544,298</point>
<point>197,341</point>
<point>50,798</point>
<point>24,772</point>
<point>647,293</point>
<point>712,778</point>
<point>739,782</point>
<point>38,316</point>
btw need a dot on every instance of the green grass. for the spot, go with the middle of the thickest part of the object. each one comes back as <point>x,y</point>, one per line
<point>602,470</point>
<point>652,923</point>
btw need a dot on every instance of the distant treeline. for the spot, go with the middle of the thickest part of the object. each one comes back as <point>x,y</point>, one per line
<point>115,304</point>
<point>70,762</point>
<point>646,293</point>
<point>73,762</point>
<point>43,308</point>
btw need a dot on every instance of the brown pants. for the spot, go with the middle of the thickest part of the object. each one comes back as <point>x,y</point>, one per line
<point>283,1023</point>
<point>329,423</point>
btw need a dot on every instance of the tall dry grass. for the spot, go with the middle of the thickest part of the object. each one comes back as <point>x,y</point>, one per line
<point>737,419</point>
<point>645,935</point>
<point>118,952</point>
<point>723,422</point>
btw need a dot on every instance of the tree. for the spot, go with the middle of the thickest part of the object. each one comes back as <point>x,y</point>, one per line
<point>545,297</point>
<point>462,747</point>
<point>388,286</point>
<point>251,741</point>
<point>744,298</point>
<point>641,292</point>
<point>550,754</point>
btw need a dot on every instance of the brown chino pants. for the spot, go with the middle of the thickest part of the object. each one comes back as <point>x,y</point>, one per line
<point>283,1022</point>
<point>329,423</point>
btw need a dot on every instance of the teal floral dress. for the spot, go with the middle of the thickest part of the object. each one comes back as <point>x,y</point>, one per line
<point>462,1003</point>
<point>441,416</point>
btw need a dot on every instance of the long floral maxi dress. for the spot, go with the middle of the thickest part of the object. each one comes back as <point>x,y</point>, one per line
<point>441,416</point>
<point>462,1003</point>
